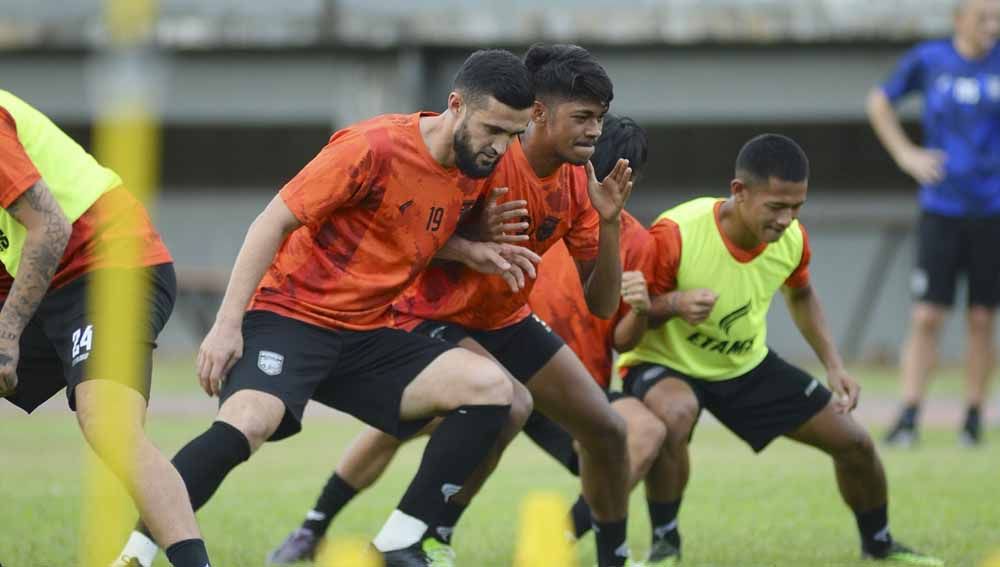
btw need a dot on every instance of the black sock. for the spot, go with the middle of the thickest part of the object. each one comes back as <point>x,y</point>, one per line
<point>188,553</point>
<point>458,445</point>
<point>443,529</point>
<point>972,418</point>
<point>874,528</point>
<point>611,543</point>
<point>554,440</point>
<point>581,518</point>
<point>336,494</point>
<point>663,521</point>
<point>908,419</point>
<point>206,460</point>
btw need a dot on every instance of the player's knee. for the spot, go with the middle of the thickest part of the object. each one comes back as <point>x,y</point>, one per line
<point>679,419</point>
<point>488,386</point>
<point>650,434</point>
<point>609,436</point>
<point>256,415</point>
<point>981,321</point>
<point>928,319</point>
<point>521,406</point>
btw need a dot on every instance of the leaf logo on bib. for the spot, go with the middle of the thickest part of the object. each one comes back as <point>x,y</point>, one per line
<point>729,320</point>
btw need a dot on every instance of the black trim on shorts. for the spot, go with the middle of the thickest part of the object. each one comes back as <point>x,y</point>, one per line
<point>523,348</point>
<point>948,247</point>
<point>773,399</point>
<point>362,373</point>
<point>59,340</point>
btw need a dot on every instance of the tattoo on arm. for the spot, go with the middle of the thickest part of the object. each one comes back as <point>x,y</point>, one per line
<point>40,257</point>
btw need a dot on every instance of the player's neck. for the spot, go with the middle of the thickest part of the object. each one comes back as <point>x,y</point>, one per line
<point>968,49</point>
<point>542,161</point>
<point>436,132</point>
<point>734,228</point>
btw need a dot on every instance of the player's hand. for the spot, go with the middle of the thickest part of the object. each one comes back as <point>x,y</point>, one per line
<point>635,293</point>
<point>10,352</point>
<point>608,197</point>
<point>511,262</point>
<point>504,222</point>
<point>846,390</point>
<point>694,305</point>
<point>221,349</point>
<point>922,164</point>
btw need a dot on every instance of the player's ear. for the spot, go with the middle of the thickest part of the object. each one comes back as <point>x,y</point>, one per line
<point>455,102</point>
<point>738,189</point>
<point>539,112</point>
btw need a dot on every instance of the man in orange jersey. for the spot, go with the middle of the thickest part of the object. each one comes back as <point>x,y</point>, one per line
<point>307,312</point>
<point>62,216</point>
<point>548,172</point>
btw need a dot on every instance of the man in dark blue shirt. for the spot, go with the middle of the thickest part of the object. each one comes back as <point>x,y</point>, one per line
<point>958,169</point>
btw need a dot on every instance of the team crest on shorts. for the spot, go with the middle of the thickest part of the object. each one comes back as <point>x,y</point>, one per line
<point>270,363</point>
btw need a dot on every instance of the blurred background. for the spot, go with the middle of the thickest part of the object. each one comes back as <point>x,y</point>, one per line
<point>249,91</point>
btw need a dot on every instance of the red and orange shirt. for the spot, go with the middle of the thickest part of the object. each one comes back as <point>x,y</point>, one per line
<point>558,299</point>
<point>559,209</point>
<point>375,208</point>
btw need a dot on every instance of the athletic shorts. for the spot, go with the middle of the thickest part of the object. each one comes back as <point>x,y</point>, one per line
<point>773,399</point>
<point>951,246</point>
<point>362,373</point>
<point>60,339</point>
<point>522,348</point>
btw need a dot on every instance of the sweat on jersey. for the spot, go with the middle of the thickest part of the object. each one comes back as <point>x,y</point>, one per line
<point>961,117</point>
<point>690,251</point>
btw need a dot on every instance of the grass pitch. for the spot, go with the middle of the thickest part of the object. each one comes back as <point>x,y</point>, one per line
<point>779,508</point>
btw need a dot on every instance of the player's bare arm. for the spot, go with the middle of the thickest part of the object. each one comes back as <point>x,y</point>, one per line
<point>806,311</point>
<point>924,165</point>
<point>223,346</point>
<point>48,232</point>
<point>694,306</point>
<point>511,262</point>
<point>633,325</point>
<point>602,281</point>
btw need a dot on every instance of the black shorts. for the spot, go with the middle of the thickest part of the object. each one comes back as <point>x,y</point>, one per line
<point>60,338</point>
<point>773,399</point>
<point>951,246</point>
<point>522,348</point>
<point>362,373</point>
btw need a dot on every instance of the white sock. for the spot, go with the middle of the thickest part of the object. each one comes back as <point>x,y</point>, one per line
<point>400,531</point>
<point>142,548</point>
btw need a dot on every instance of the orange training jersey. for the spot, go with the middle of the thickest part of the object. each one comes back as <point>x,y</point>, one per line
<point>558,208</point>
<point>376,207</point>
<point>558,299</point>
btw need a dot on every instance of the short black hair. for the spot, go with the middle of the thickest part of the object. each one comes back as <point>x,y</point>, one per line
<point>772,155</point>
<point>568,72</point>
<point>620,138</point>
<point>497,73</point>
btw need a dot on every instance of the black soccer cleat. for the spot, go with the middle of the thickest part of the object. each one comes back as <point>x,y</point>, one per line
<point>663,554</point>
<point>899,553</point>
<point>971,434</point>
<point>300,545</point>
<point>902,436</point>
<point>412,556</point>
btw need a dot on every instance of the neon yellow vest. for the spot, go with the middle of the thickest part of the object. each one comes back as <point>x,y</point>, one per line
<point>733,340</point>
<point>73,176</point>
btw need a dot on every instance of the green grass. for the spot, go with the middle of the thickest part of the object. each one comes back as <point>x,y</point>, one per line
<point>779,508</point>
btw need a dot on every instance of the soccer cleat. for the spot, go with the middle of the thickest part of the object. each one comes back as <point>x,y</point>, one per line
<point>899,553</point>
<point>300,545</point>
<point>428,553</point>
<point>970,435</point>
<point>126,561</point>
<point>663,554</point>
<point>902,437</point>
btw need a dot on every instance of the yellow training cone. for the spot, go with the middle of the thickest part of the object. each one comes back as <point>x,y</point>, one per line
<point>348,552</point>
<point>993,561</point>
<point>543,540</point>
